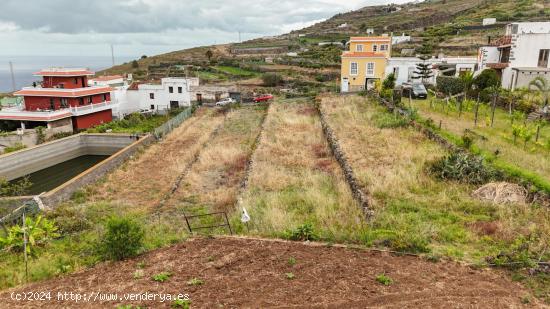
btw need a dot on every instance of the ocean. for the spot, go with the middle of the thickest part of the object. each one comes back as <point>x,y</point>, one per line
<point>24,66</point>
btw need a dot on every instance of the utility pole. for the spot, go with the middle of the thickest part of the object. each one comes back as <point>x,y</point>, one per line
<point>240,41</point>
<point>12,77</point>
<point>113,54</point>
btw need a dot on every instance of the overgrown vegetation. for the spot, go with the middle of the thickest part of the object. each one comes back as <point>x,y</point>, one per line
<point>16,147</point>
<point>460,166</point>
<point>133,123</point>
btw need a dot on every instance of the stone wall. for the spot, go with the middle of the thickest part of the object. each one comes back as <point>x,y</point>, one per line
<point>357,191</point>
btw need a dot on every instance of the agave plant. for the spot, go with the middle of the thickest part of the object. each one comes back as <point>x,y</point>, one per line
<point>543,86</point>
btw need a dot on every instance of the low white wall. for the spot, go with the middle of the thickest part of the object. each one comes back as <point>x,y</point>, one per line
<point>26,161</point>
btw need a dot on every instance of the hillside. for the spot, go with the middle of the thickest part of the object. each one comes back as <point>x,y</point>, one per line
<point>452,27</point>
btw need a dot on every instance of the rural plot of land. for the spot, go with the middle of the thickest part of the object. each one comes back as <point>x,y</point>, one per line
<point>531,156</point>
<point>295,180</point>
<point>143,182</point>
<point>213,181</point>
<point>413,210</point>
<point>247,273</point>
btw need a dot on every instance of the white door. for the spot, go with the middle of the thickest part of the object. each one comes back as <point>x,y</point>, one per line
<point>345,85</point>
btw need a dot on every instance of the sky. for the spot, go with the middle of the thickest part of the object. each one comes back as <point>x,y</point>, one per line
<point>150,27</point>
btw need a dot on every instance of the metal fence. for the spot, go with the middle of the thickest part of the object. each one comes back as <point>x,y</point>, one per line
<point>173,123</point>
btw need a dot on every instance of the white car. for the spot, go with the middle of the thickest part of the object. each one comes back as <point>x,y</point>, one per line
<point>225,101</point>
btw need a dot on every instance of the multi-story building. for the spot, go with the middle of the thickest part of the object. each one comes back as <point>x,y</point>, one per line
<point>365,62</point>
<point>520,55</point>
<point>369,59</point>
<point>62,102</point>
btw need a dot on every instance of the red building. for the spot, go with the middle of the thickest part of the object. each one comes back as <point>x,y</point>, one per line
<point>63,99</point>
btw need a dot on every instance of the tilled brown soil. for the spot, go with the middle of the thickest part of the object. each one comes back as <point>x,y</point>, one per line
<point>252,273</point>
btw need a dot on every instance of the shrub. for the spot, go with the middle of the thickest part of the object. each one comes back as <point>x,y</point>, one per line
<point>383,279</point>
<point>389,82</point>
<point>14,188</point>
<point>123,238</point>
<point>462,167</point>
<point>195,282</point>
<point>38,232</point>
<point>304,232</point>
<point>271,79</point>
<point>450,85</point>
<point>161,277</point>
<point>486,79</point>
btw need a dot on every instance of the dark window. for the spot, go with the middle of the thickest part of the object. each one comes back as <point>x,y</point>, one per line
<point>89,100</point>
<point>104,97</point>
<point>180,90</point>
<point>76,80</point>
<point>81,101</point>
<point>52,104</point>
<point>171,89</point>
<point>152,107</point>
<point>151,96</point>
<point>543,58</point>
<point>64,103</point>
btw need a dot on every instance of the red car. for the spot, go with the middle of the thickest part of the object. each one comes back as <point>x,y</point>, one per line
<point>263,98</point>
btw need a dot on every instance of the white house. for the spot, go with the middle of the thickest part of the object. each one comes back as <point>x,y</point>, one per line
<point>489,21</point>
<point>109,80</point>
<point>173,92</point>
<point>403,67</point>
<point>520,55</point>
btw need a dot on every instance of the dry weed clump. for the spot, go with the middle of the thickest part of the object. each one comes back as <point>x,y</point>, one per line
<point>501,193</point>
<point>295,181</point>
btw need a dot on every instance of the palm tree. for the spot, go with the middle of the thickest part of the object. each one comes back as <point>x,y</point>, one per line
<point>468,81</point>
<point>542,85</point>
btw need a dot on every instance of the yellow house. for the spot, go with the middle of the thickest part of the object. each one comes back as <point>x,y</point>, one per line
<point>365,62</point>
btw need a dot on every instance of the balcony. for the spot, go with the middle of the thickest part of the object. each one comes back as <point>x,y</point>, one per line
<point>502,41</point>
<point>18,113</point>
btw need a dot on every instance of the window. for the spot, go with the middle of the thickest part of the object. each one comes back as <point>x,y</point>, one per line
<point>152,107</point>
<point>171,89</point>
<point>76,80</point>
<point>64,103</point>
<point>81,101</point>
<point>374,48</point>
<point>396,72</point>
<point>353,70</point>
<point>359,47</point>
<point>151,96</point>
<point>515,29</point>
<point>180,89</point>
<point>543,58</point>
<point>104,97</point>
<point>384,47</point>
<point>370,69</point>
<point>52,104</point>
<point>90,100</point>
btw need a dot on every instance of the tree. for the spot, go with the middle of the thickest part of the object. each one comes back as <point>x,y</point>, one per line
<point>144,57</point>
<point>209,54</point>
<point>543,86</point>
<point>423,70</point>
<point>468,81</point>
<point>135,64</point>
<point>389,82</point>
<point>486,79</point>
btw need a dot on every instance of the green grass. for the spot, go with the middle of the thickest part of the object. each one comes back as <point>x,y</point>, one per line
<point>528,161</point>
<point>235,71</point>
<point>134,123</point>
<point>16,147</point>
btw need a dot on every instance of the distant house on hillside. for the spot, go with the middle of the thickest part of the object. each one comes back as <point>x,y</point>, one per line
<point>489,21</point>
<point>520,55</point>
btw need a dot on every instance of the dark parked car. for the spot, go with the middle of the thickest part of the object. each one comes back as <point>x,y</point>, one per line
<point>416,91</point>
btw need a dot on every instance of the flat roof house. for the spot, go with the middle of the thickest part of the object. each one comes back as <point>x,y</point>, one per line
<point>520,55</point>
<point>63,99</point>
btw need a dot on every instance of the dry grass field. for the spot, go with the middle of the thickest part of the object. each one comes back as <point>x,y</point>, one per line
<point>213,181</point>
<point>144,181</point>
<point>296,181</point>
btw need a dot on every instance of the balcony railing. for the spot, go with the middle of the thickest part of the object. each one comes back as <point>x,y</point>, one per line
<point>18,112</point>
<point>91,108</point>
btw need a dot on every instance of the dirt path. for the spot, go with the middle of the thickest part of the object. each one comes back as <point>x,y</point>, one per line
<point>252,273</point>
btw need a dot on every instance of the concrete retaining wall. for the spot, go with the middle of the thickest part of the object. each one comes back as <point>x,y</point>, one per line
<point>26,161</point>
<point>91,175</point>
